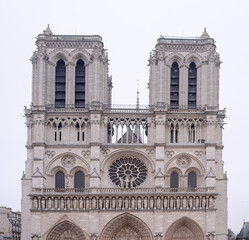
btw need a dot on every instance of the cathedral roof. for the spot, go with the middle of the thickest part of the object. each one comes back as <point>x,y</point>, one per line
<point>244,232</point>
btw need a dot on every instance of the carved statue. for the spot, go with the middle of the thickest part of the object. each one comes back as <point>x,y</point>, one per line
<point>107,203</point>
<point>151,203</point>
<point>184,203</point>
<point>94,203</point>
<point>68,203</point>
<point>113,203</point>
<point>49,203</point>
<point>35,203</point>
<point>43,203</point>
<point>145,203</point>
<point>120,201</point>
<point>190,202</point>
<point>171,203</point>
<point>158,202</point>
<point>211,202</point>
<point>139,203</point>
<point>178,203</point>
<point>62,203</point>
<point>203,205</point>
<point>56,203</point>
<point>165,203</point>
<point>87,204</point>
<point>81,203</point>
<point>126,203</point>
<point>100,203</point>
<point>197,202</point>
<point>133,203</point>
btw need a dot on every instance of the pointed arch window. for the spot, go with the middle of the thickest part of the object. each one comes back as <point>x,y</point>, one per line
<point>174,86</point>
<point>174,132</point>
<point>80,75</point>
<point>59,180</point>
<point>60,84</point>
<point>191,133</point>
<point>79,180</point>
<point>174,180</point>
<point>192,180</point>
<point>192,85</point>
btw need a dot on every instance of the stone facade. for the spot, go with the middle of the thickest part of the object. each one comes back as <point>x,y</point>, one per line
<point>97,172</point>
<point>10,224</point>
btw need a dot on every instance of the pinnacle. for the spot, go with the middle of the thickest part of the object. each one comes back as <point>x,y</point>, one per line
<point>48,31</point>
<point>205,34</point>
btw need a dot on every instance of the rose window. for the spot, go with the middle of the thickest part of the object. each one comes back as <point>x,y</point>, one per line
<point>128,172</point>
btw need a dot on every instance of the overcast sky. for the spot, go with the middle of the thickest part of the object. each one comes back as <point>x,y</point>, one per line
<point>130,30</point>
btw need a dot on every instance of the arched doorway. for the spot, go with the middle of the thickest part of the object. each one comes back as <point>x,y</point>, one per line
<point>184,229</point>
<point>66,231</point>
<point>126,227</point>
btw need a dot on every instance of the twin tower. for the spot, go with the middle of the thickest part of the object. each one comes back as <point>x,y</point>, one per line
<point>97,172</point>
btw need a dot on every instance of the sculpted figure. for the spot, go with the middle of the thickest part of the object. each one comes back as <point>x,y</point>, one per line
<point>94,203</point>
<point>81,203</point>
<point>113,203</point>
<point>211,202</point>
<point>184,203</point>
<point>49,203</point>
<point>87,204</point>
<point>43,203</point>
<point>120,203</point>
<point>197,203</point>
<point>203,205</point>
<point>56,203</point>
<point>62,203</point>
<point>35,203</point>
<point>126,203</point>
<point>133,203</point>
<point>139,203</point>
<point>107,203</point>
<point>100,203</point>
<point>75,203</point>
<point>190,202</point>
<point>145,203</point>
<point>158,202</point>
<point>171,203</point>
<point>165,203</point>
<point>68,203</point>
<point>151,203</point>
<point>178,203</point>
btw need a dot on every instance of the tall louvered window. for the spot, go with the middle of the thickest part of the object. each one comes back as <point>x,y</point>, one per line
<point>59,180</point>
<point>174,180</point>
<point>80,73</point>
<point>192,180</point>
<point>192,84</point>
<point>60,84</point>
<point>79,180</point>
<point>174,86</point>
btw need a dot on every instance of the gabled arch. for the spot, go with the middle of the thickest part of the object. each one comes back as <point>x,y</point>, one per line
<point>59,54</point>
<point>126,220</point>
<point>54,164</point>
<point>66,229</point>
<point>184,227</point>
<point>175,57</point>
<point>80,54</point>
<point>201,167</point>
<point>193,57</point>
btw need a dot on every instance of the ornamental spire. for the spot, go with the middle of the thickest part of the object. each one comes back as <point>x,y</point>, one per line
<point>205,34</point>
<point>137,94</point>
<point>48,31</point>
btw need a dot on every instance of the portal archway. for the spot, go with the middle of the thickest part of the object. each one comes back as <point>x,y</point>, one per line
<point>65,231</point>
<point>184,229</point>
<point>126,227</point>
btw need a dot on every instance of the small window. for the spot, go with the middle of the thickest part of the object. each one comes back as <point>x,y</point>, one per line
<point>79,180</point>
<point>174,86</point>
<point>192,180</point>
<point>191,133</point>
<point>59,180</point>
<point>174,180</point>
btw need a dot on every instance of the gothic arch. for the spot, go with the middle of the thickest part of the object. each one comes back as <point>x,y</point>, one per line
<point>130,223</point>
<point>122,153</point>
<point>54,163</point>
<point>194,57</point>
<point>59,54</point>
<point>184,229</point>
<point>197,163</point>
<point>80,54</point>
<point>66,230</point>
<point>175,57</point>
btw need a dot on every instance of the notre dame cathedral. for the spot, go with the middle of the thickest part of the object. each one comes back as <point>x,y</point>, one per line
<point>94,171</point>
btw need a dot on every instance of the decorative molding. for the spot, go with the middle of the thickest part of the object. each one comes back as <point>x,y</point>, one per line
<point>170,154</point>
<point>50,154</point>
<point>198,153</point>
<point>183,161</point>
<point>105,151</point>
<point>68,161</point>
<point>150,152</point>
<point>94,236</point>
<point>86,153</point>
<point>158,236</point>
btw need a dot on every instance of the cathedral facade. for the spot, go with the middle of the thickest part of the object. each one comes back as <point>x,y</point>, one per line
<point>98,172</point>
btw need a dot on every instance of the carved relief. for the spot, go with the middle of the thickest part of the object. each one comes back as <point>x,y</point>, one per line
<point>86,153</point>
<point>68,161</point>
<point>198,153</point>
<point>105,151</point>
<point>183,161</point>
<point>150,152</point>
<point>50,154</point>
<point>169,154</point>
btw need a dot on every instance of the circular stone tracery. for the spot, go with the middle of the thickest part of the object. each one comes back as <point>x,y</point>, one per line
<point>127,172</point>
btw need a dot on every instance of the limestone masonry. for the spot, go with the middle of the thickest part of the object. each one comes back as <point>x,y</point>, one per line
<point>98,172</point>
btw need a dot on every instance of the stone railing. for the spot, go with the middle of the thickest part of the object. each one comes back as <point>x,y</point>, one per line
<point>122,199</point>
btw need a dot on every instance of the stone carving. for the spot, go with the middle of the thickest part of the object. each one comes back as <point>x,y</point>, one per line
<point>94,236</point>
<point>158,236</point>
<point>86,153</point>
<point>183,161</point>
<point>169,154</point>
<point>210,236</point>
<point>68,161</point>
<point>198,153</point>
<point>35,237</point>
<point>50,154</point>
<point>105,151</point>
<point>150,152</point>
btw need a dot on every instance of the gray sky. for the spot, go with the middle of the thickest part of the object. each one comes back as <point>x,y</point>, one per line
<point>130,30</point>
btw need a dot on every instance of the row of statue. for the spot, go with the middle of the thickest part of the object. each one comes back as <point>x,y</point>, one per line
<point>122,203</point>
